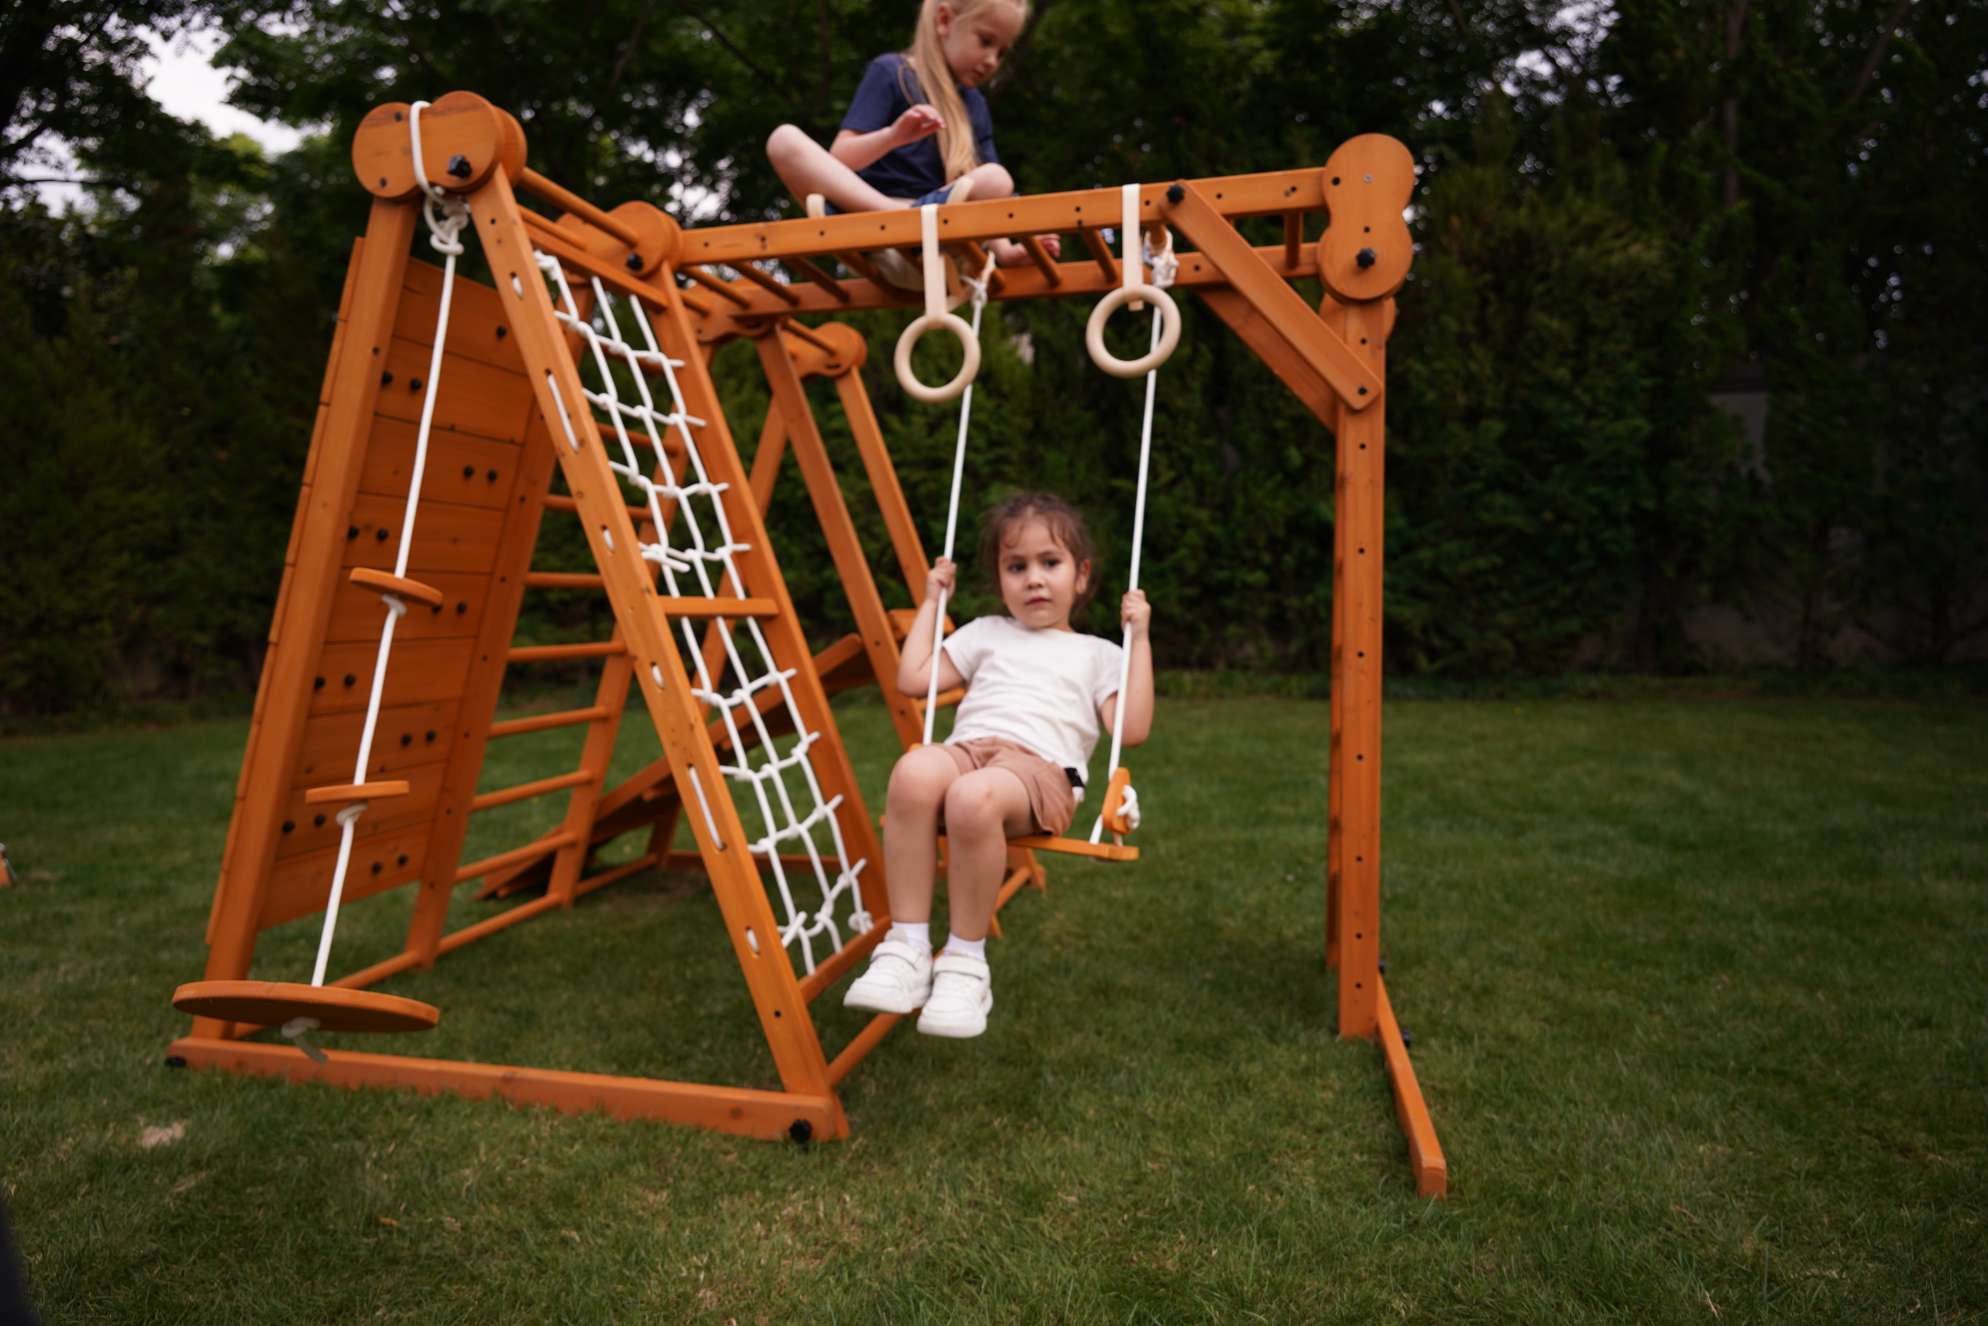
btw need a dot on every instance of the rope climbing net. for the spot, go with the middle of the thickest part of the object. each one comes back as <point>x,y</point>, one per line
<point>733,671</point>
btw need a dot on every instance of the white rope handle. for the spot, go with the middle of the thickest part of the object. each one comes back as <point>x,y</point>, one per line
<point>1165,268</point>
<point>935,315</point>
<point>1132,290</point>
<point>979,289</point>
<point>445,230</point>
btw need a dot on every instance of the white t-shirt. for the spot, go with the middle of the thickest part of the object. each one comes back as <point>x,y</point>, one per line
<point>1039,689</point>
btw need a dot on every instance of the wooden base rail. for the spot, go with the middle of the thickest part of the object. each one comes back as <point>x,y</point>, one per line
<point>762,1114</point>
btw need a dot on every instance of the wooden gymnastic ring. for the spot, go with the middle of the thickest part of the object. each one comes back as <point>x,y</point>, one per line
<point>963,379</point>
<point>1169,330</point>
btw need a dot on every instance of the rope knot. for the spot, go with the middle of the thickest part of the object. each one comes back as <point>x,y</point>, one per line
<point>445,213</point>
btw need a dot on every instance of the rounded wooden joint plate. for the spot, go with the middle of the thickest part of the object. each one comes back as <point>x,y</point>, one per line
<point>1366,250</point>
<point>460,130</point>
<point>658,235</point>
<point>851,350</point>
<point>332,1007</point>
<point>655,232</point>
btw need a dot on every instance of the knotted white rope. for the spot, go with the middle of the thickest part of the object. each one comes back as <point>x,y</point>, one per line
<point>979,289</point>
<point>1165,268</point>
<point>631,423</point>
<point>446,216</point>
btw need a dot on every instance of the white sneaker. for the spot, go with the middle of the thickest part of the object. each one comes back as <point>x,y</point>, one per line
<point>898,980</point>
<point>962,996</point>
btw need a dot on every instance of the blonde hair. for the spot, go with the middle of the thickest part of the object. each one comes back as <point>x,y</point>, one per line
<point>927,62</point>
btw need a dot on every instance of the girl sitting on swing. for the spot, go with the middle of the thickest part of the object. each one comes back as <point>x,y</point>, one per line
<point>1038,693</point>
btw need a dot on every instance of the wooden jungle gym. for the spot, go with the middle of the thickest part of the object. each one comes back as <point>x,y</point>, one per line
<point>589,355</point>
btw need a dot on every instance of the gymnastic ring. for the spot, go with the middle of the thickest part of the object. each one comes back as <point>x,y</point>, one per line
<point>1169,330</point>
<point>963,379</point>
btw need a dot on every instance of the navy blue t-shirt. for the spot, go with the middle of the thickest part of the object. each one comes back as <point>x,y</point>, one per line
<point>916,169</point>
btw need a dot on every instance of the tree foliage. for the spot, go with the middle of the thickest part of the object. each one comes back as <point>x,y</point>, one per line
<point>1622,208</point>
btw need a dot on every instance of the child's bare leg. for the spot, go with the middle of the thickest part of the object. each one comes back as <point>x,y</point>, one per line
<point>918,786</point>
<point>992,180</point>
<point>983,810</point>
<point>806,167</point>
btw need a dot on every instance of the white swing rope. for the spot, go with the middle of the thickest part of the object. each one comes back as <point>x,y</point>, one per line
<point>1165,267</point>
<point>979,289</point>
<point>446,216</point>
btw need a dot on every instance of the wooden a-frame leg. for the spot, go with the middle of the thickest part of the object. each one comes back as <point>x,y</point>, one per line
<point>659,666</point>
<point>1358,510</point>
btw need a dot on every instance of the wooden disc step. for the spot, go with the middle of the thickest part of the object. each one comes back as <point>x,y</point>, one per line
<point>333,1007</point>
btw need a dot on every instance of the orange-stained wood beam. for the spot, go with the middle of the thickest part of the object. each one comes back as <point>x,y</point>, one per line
<point>779,289</point>
<point>1288,315</point>
<point>1291,368</point>
<point>1425,1153</point>
<point>1075,278</point>
<point>1102,255</point>
<point>1043,262</point>
<point>813,272</point>
<point>1035,214</point>
<point>762,1114</point>
<point>884,485</point>
<point>1356,758</point>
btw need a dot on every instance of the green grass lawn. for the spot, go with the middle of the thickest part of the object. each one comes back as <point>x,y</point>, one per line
<point>1697,988</point>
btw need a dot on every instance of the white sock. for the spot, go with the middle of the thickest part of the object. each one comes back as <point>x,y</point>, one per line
<point>970,948</point>
<point>918,934</point>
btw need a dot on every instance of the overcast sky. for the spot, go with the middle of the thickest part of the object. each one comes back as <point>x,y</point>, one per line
<point>187,85</point>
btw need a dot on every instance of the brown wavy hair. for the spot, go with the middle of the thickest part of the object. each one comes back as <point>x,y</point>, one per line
<point>1066,526</point>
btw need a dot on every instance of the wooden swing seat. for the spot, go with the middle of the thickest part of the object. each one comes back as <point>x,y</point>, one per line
<point>332,1007</point>
<point>1077,847</point>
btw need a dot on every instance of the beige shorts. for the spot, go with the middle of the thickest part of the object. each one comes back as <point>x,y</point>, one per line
<point>1052,801</point>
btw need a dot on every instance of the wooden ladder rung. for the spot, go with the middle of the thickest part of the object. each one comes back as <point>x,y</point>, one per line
<point>564,580</point>
<point>529,852</point>
<point>716,607</point>
<point>638,514</point>
<point>504,796</point>
<point>515,727</point>
<point>555,653</point>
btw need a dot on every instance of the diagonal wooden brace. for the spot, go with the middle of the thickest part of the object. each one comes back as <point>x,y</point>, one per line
<point>1282,307</point>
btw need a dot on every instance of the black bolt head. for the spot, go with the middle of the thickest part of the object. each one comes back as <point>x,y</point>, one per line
<point>1175,194</point>
<point>459,166</point>
<point>633,262</point>
<point>801,1131</point>
<point>1366,258</point>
